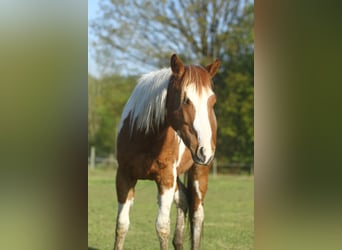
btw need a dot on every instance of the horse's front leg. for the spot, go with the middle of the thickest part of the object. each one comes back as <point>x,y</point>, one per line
<point>198,184</point>
<point>125,195</point>
<point>182,208</point>
<point>166,188</point>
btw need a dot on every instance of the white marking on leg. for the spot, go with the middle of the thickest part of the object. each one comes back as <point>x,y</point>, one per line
<point>198,221</point>
<point>182,206</point>
<point>122,223</point>
<point>165,202</point>
<point>123,215</point>
<point>181,150</point>
<point>177,197</point>
<point>198,217</point>
<point>163,219</point>
<point>197,189</point>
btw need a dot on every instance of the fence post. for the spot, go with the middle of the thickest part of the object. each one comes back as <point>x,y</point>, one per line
<point>92,157</point>
<point>111,160</point>
<point>214,167</point>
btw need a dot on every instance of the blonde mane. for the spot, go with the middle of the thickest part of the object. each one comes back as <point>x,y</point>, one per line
<point>146,105</point>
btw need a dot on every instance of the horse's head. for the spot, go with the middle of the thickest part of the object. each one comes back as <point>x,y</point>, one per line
<point>190,108</point>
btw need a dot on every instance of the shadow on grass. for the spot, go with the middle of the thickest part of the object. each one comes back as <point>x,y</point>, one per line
<point>91,248</point>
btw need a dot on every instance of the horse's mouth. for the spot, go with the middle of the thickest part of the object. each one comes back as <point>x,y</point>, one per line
<point>202,162</point>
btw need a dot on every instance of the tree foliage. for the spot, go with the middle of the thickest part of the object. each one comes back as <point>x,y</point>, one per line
<point>148,31</point>
<point>139,35</point>
<point>106,99</point>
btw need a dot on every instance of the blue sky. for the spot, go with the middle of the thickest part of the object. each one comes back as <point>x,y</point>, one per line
<point>92,10</point>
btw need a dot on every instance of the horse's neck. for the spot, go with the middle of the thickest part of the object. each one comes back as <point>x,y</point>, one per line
<point>162,132</point>
<point>165,134</point>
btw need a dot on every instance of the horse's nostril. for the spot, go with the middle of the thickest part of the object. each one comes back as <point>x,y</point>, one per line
<point>201,150</point>
<point>201,154</point>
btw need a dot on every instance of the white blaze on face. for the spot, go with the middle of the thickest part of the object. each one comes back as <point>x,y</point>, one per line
<point>201,122</point>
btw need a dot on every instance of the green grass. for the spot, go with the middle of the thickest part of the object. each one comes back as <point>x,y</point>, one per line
<point>228,224</point>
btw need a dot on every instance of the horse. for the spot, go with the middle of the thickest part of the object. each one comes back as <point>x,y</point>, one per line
<point>167,128</point>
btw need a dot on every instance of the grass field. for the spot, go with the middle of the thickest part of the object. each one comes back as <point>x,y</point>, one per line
<point>228,224</point>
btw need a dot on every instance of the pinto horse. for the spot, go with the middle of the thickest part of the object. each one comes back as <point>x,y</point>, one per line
<point>168,127</point>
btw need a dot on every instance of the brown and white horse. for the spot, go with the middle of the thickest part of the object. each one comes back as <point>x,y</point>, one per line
<point>168,127</point>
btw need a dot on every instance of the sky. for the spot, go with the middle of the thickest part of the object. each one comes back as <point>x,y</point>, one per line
<point>92,10</point>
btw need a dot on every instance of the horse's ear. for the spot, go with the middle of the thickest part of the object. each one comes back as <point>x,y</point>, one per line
<point>213,68</point>
<point>177,65</point>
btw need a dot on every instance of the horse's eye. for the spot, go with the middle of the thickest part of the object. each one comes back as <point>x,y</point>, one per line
<point>186,100</point>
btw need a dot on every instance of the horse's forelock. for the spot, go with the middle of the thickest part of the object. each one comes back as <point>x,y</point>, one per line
<point>196,75</point>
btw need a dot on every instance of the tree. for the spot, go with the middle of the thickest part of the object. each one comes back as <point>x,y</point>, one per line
<point>106,98</point>
<point>235,93</point>
<point>137,34</point>
<point>93,118</point>
<point>148,32</point>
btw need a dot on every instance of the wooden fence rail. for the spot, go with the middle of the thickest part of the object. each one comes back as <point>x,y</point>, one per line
<point>218,167</point>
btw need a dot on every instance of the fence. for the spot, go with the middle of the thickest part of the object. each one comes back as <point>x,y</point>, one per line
<point>218,167</point>
<point>232,168</point>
